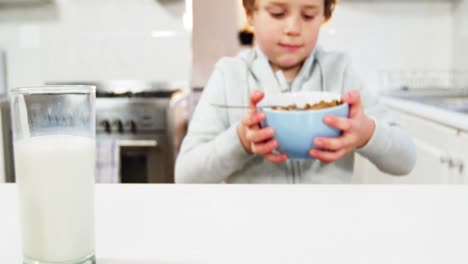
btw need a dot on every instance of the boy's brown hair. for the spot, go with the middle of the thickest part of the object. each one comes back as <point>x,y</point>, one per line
<point>249,6</point>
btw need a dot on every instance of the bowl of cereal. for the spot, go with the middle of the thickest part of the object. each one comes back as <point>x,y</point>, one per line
<point>297,119</point>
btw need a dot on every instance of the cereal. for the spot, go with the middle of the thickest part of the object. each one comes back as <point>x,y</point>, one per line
<point>317,106</point>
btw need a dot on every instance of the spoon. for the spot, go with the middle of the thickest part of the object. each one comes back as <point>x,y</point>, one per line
<point>244,106</point>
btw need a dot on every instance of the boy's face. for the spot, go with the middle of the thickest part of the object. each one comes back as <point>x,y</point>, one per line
<point>287,30</point>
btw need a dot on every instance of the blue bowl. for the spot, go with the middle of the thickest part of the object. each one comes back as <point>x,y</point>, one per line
<point>296,130</point>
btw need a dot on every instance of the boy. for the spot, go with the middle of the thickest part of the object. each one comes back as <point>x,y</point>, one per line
<point>227,145</point>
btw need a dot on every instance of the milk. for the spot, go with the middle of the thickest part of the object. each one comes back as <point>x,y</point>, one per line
<point>55,176</point>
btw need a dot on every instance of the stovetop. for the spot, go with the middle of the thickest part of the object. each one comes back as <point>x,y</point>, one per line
<point>129,88</point>
<point>145,94</point>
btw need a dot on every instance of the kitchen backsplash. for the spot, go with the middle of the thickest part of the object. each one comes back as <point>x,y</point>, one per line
<point>460,42</point>
<point>146,39</point>
<point>401,37</point>
<point>95,40</point>
<point>391,43</point>
<point>422,79</point>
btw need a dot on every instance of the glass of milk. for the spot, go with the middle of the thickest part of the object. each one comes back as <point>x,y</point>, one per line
<point>54,152</point>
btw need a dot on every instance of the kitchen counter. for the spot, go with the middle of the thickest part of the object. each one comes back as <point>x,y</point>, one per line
<point>440,115</point>
<point>156,224</point>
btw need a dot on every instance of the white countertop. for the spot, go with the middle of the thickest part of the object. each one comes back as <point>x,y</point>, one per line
<point>154,224</point>
<point>439,115</point>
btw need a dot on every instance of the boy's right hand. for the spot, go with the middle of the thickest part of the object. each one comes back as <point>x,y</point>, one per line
<point>254,139</point>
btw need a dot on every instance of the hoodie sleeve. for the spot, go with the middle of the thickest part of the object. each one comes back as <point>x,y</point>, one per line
<point>211,150</point>
<point>390,148</point>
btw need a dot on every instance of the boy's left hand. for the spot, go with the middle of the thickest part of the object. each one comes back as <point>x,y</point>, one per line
<point>357,131</point>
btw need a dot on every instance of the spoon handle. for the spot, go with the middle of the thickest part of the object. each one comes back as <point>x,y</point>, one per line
<point>242,106</point>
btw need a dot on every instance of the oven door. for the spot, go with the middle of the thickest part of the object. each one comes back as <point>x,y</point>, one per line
<point>142,161</point>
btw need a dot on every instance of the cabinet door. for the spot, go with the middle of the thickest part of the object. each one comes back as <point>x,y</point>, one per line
<point>432,166</point>
<point>461,162</point>
<point>366,172</point>
<point>435,134</point>
<point>434,144</point>
<point>436,140</point>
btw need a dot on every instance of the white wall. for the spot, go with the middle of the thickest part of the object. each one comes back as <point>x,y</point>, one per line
<point>95,40</point>
<point>460,43</point>
<point>390,43</point>
<point>388,36</point>
<point>215,28</point>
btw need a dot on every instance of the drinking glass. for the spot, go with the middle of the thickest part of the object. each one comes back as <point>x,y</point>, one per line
<point>54,153</point>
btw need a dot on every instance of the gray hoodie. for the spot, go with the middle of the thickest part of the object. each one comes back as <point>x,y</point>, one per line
<point>212,153</point>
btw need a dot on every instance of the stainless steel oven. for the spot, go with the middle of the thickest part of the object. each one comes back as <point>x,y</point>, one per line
<point>140,162</point>
<point>139,128</point>
<point>138,136</point>
<point>140,125</point>
<point>136,160</point>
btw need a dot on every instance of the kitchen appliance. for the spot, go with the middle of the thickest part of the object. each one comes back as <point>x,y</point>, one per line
<point>139,128</point>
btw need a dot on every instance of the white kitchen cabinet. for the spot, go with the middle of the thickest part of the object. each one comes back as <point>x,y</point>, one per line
<point>435,149</point>
<point>462,155</point>
<point>442,155</point>
<point>432,167</point>
<point>366,172</point>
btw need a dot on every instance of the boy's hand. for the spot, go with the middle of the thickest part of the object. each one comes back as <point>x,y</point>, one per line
<point>357,131</point>
<point>256,140</point>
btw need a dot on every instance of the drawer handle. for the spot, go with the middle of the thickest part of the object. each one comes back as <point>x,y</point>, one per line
<point>137,143</point>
